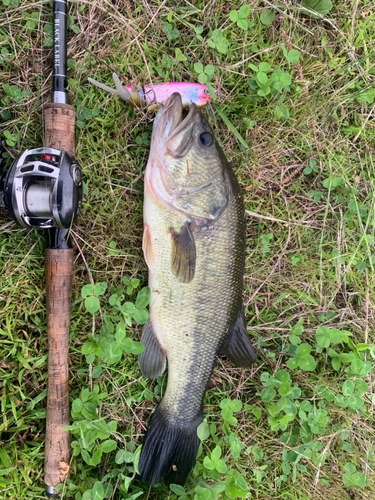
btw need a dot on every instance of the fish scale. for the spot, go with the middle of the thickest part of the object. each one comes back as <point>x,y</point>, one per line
<point>194,245</point>
<point>181,323</point>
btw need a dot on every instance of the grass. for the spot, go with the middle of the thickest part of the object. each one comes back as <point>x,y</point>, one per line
<point>308,182</point>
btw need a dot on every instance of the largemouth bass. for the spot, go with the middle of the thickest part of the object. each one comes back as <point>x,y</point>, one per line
<point>194,246</point>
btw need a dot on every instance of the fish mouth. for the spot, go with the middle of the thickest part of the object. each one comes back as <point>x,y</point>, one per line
<point>175,124</point>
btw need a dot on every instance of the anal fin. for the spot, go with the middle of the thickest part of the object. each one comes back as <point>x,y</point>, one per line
<point>183,254</point>
<point>237,346</point>
<point>152,360</point>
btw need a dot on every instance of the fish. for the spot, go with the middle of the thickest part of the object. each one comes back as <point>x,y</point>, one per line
<point>153,96</point>
<point>194,246</point>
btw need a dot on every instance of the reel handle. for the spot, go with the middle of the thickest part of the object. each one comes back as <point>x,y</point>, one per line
<point>59,127</point>
<point>59,267</point>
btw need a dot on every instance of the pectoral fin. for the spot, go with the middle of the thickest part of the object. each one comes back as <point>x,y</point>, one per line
<point>237,347</point>
<point>183,254</point>
<point>152,360</point>
<point>147,248</point>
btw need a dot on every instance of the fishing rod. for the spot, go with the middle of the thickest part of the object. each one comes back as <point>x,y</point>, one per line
<point>42,189</point>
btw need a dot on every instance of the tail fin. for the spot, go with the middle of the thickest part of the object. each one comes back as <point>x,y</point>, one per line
<point>169,449</point>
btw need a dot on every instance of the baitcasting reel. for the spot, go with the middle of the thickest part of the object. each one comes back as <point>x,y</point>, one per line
<point>42,189</point>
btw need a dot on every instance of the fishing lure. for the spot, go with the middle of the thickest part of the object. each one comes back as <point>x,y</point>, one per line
<point>153,96</point>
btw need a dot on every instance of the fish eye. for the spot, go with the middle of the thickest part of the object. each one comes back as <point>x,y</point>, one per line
<point>206,139</point>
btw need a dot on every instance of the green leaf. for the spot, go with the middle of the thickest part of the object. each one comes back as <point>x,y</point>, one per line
<point>96,371</point>
<point>267,16</point>
<point>261,78</point>
<point>209,69</point>
<point>361,385</point>
<point>97,492</point>
<point>320,6</point>
<point>198,67</point>
<point>263,66</point>
<point>89,406</point>
<point>220,467</point>
<point>77,405</point>
<point>143,298</point>
<point>359,479</point>
<point>177,489</point>
<point>141,316</point>
<point>120,332</point>
<point>86,456</point>
<point>235,405</point>
<point>323,340</point>
<point>307,363</point>
<point>92,304</point>
<point>292,363</point>
<point>282,376</point>
<point>96,457</point>
<point>347,387</point>
<point>131,347</point>
<point>100,288</point>
<point>367,367</point>
<point>303,350</point>
<point>114,353</point>
<point>128,308</point>
<point>88,347</point>
<point>85,395</point>
<point>203,431</point>
<point>87,290</point>
<point>242,23</point>
<point>90,358</point>
<point>216,454</point>
<point>294,339</point>
<point>280,405</point>
<point>293,56</point>
<point>244,11</point>
<point>336,336</point>
<point>356,366</point>
<point>284,389</point>
<point>202,78</point>
<point>108,445</point>
<point>208,463</point>
<point>233,16</point>
<point>179,55</point>
<point>336,363</point>
<point>268,394</point>
<point>264,91</point>
<point>349,467</point>
<point>281,112</point>
<point>124,456</point>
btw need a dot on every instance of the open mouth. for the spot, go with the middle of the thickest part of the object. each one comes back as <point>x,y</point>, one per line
<point>174,118</point>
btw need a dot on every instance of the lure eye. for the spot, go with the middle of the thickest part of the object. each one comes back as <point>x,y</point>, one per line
<point>206,92</point>
<point>206,139</point>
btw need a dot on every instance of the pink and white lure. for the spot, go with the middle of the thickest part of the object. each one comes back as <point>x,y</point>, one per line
<point>156,95</point>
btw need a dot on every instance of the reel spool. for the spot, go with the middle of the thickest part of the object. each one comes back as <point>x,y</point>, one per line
<point>42,189</point>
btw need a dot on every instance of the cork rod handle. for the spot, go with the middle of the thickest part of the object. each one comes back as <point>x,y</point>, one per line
<point>59,265</point>
<point>59,123</point>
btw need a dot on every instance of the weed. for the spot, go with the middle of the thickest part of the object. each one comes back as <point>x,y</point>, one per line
<point>296,86</point>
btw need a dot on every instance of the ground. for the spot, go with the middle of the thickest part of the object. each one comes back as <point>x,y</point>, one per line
<point>295,118</point>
